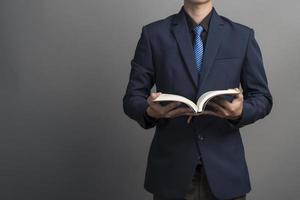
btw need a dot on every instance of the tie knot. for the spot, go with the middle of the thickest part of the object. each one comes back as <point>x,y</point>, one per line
<point>198,30</point>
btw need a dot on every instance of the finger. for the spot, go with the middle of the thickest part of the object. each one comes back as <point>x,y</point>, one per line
<point>170,106</point>
<point>219,109</point>
<point>153,96</point>
<point>223,103</point>
<point>237,89</point>
<point>162,110</point>
<point>240,96</point>
<point>178,112</point>
<point>238,101</point>
<point>208,112</point>
<point>192,113</point>
<point>189,119</point>
<point>156,106</point>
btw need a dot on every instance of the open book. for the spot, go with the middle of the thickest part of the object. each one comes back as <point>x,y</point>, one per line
<point>202,101</point>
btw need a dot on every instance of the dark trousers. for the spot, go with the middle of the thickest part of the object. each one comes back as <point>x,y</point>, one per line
<point>199,188</point>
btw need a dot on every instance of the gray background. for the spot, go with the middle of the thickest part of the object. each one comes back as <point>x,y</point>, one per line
<point>64,66</point>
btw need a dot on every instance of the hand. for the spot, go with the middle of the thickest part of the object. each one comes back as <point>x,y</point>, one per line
<point>224,109</point>
<point>157,111</point>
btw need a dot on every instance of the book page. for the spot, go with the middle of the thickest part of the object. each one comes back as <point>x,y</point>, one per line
<point>203,99</point>
<point>173,97</point>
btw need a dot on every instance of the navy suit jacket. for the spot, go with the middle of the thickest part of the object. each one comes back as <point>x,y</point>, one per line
<point>164,58</point>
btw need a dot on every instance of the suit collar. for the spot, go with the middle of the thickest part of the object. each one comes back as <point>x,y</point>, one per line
<point>179,17</point>
<point>204,23</point>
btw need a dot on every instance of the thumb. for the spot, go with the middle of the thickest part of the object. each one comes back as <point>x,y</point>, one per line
<point>154,95</point>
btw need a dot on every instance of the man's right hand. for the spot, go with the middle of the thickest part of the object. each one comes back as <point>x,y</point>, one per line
<point>157,111</point>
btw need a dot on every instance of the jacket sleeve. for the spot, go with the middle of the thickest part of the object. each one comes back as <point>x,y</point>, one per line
<point>141,80</point>
<point>257,97</point>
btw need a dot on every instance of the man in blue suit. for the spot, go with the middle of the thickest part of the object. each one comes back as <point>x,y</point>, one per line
<point>189,53</point>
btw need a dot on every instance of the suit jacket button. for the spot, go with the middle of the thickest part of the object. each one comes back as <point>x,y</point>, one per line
<point>200,137</point>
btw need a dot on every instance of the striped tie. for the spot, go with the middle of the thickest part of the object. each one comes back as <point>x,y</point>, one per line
<point>198,47</point>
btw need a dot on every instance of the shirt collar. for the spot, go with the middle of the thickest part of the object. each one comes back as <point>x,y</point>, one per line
<point>204,23</point>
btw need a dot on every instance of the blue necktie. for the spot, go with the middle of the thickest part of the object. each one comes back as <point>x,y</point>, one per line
<point>198,47</point>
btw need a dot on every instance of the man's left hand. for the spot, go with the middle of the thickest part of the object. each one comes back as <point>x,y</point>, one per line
<point>224,109</point>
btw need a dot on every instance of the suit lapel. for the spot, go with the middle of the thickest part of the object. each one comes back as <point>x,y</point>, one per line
<point>214,39</point>
<point>183,38</point>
